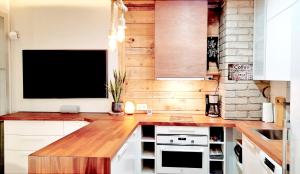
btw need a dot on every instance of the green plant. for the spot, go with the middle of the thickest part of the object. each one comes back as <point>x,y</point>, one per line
<point>116,87</point>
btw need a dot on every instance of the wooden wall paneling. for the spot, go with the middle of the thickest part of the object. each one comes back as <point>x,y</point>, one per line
<point>142,60</point>
<point>138,51</point>
<point>140,30</point>
<point>176,97</point>
<point>140,73</point>
<point>140,5</point>
<point>139,41</point>
<point>139,85</point>
<point>140,17</point>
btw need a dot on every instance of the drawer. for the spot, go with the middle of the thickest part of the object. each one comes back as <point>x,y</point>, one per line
<point>21,142</point>
<point>71,126</point>
<point>16,161</point>
<point>33,127</point>
<point>182,130</point>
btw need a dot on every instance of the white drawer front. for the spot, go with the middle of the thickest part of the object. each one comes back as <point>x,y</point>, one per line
<point>182,130</point>
<point>71,126</point>
<point>33,127</point>
<point>16,162</point>
<point>19,142</point>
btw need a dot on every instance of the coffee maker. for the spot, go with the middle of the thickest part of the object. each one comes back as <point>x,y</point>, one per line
<point>212,105</point>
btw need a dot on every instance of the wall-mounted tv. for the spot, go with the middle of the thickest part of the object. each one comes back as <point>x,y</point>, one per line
<point>64,74</point>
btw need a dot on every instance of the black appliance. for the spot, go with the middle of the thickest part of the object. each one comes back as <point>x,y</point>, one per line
<point>212,105</point>
<point>64,74</point>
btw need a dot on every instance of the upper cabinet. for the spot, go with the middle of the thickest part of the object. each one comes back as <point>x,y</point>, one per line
<point>180,39</point>
<point>272,39</point>
<point>275,7</point>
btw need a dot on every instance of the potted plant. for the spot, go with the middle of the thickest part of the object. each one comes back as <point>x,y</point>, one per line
<point>115,88</point>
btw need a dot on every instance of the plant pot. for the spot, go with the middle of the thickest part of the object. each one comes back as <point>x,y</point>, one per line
<point>117,107</point>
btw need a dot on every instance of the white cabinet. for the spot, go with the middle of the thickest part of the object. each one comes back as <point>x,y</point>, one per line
<point>272,39</point>
<point>278,46</point>
<point>250,163</point>
<point>259,57</point>
<point>126,160</point>
<point>257,161</point>
<point>71,126</point>
<point>275,7</point>
<point>21,138</point>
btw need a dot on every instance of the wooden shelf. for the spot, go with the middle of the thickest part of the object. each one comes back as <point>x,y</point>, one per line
<point>148,139</point>
<point>148,170</point>
<point>216,142</point>
<point>216,159</point>
<point>148,155</point>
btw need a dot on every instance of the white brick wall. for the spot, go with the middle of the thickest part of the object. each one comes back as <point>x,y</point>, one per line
<point>241,99</point>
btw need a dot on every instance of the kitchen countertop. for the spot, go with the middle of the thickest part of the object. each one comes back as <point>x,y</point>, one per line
<point>97,143</point>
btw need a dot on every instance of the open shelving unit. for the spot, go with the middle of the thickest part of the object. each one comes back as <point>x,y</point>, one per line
<point>217,150</point>
<point>148,149</point>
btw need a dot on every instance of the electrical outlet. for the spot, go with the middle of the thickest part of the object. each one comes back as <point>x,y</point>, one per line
<point>141,107</point>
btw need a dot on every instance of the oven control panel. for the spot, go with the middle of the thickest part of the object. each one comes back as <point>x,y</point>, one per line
<point>192,140</point>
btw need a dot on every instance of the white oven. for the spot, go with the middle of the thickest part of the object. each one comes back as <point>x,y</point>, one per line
<point>182,154</point>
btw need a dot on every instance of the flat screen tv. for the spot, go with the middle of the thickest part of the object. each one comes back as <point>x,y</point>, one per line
<point>64,74</point>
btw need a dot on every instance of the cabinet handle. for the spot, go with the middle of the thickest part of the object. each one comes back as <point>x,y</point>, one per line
<point>185,131</point>
<point>267,169</point>
<point>122,151</point>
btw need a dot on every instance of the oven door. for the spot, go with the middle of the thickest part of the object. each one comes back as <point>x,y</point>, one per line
<point>182,159</point>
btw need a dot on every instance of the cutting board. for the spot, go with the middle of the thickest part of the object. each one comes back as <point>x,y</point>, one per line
<point>279,110</point>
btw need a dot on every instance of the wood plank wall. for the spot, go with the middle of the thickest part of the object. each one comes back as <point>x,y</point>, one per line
<point>138,61</point>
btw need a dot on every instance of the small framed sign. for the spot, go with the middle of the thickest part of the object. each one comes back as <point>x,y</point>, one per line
<point>240,72</point>
<point>212,51</point>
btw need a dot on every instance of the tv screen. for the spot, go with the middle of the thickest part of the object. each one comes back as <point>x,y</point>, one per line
<point>64,74</point>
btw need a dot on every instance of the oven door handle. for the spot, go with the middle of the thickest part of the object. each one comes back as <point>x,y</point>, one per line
<point>180,150</point>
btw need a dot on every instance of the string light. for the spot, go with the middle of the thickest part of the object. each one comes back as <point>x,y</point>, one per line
<point>120,34</point>
<point>121,28</point>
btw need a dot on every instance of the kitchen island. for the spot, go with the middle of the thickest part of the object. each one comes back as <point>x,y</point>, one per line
<point>92,148</point>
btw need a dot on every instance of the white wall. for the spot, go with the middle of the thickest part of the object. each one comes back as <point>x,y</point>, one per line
<point>4,43</point>
<point>58,24</point>
<point>4,6</point>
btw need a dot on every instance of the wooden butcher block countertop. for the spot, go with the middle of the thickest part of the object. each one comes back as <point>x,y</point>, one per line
<point>91,148</point>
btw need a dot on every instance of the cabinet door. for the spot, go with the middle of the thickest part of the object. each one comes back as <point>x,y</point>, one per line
<point>33,128</point>
<point>259,62</point>
<point>22,138</point>
<point>125,161</point>
<point>16,162</point>
<point>71,126</point>
<point>251,162</point>
<point>277,6</point>
<point>180,39</point>
<point>278,50</point>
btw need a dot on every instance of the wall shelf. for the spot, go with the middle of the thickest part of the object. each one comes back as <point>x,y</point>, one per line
<point>147,170</point>
<point>148,139</point>
<point>148,155</point>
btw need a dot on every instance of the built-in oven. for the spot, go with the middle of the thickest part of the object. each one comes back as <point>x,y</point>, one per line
<point>182,154</point>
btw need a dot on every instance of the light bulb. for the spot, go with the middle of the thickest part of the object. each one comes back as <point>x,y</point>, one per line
<point>121,34</point>
<point>129,108</point>
<point>121,28</point>
<point>112,43</point>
